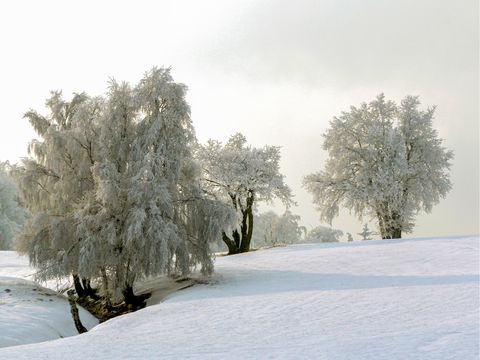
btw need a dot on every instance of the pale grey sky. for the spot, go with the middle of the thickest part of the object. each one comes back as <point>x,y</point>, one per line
<point>275,70</point>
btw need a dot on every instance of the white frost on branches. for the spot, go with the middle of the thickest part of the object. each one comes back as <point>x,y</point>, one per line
<point>385,161</point>
<point>114,188</point>
<point>241,176</point>
<point>271,229</point>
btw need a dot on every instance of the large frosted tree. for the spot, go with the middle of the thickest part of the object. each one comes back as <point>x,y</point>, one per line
<point>115,190</point>
<point>148,214</point>
<point>241,176</point>
<point>12,213</point>
<point>384,161</point>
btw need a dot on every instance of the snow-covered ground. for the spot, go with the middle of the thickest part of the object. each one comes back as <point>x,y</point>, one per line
<point>403,299</point>
<point>28,312</point>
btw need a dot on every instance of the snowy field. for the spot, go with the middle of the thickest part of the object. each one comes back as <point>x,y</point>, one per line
<point>402,299</point>
<point>28,312</point>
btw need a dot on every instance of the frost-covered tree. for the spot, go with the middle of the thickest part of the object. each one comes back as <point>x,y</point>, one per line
<point>12,213</point>
<point>323,234</point>
<point>385,161</point>
<point>54,180</point>
<point>349,237</point>
<point>116,191</point>
<point>242,176</point>
<point>148,214</point>
<point>271,229</point>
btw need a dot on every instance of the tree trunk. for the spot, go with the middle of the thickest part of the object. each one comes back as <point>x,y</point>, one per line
<point>381,226</point>
<point>396,233</point>
<point>83,288</point>
<point>248,235</point>
<point>74,311</point>
<point>244,237</point>
<point>396,228</point>
<point>241,240</point>
<point>78,286</point>
<point>134,301</point>
<point>237,238</point>
<point>128,295</point>
<point>232,247</point>
<point>389,227</point>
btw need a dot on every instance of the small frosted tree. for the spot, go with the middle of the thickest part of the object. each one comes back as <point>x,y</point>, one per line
<point>323,234</point>
<point>271,229</point>
<point>385,161</point>
<point>12,213</point>
<point>265,231</point>
<point>288,229</point>
<point>242,176</point>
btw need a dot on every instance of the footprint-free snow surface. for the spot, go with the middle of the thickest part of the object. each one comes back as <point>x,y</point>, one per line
<point>31,313</point>
<point>403,299</point>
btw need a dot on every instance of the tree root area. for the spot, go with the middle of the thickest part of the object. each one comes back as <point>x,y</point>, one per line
<point>103,311</point>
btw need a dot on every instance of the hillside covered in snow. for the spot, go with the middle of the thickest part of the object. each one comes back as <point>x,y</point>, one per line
<point>398,299</point>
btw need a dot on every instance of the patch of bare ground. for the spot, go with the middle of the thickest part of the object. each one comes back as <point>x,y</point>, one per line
<point>150,292</point>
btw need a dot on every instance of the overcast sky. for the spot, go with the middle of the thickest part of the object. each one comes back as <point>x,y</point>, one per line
<point>276,71</point>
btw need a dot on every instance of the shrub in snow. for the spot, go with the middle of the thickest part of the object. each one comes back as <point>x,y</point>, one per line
<point>385,161</point>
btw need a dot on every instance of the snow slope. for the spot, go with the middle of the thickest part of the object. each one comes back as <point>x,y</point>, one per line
<point>403,299</point>
<point>28,312</point>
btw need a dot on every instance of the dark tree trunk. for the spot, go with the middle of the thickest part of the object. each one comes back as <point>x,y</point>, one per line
<point>128,295</point>
<point>248,234</point>
<point>237,238</point>
<point>397,233</point>
<point>240,241</point>
<point>74,311</point>
<point>83,288</point>
<point>232,247</point>
<point>132,300</point>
